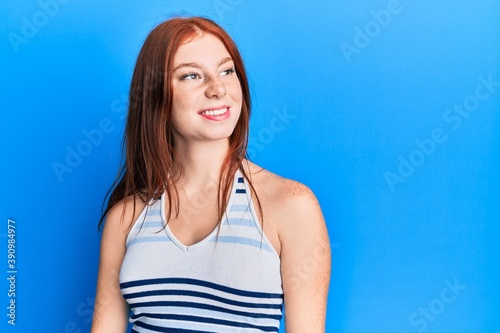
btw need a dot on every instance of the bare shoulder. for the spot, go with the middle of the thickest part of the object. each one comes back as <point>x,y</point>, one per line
<point>283,194</point>
<point>122,216</point>
<point>299,233</point>
<point>291,209</point>
<point>110,309</point>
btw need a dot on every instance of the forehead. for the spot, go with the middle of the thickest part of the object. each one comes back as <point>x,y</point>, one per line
<point>203,49</point>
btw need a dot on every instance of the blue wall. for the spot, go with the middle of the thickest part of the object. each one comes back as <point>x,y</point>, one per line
<point>391,112</point>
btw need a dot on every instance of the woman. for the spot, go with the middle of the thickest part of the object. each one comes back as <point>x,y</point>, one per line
<point>197,238</point>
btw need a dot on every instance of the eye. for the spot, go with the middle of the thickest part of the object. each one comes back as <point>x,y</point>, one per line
<point>191,76</point>
<point>228,71</point>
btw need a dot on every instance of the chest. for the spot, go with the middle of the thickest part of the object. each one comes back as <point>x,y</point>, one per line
<point>197,218</point>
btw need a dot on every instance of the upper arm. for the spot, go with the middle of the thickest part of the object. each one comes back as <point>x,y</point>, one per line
<point>111,309</point>
<point>305,261</point>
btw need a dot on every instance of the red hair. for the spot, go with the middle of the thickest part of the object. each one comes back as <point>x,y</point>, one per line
<point>148,146</point>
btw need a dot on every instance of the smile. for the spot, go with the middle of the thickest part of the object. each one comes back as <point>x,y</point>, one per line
<point>216,114</point>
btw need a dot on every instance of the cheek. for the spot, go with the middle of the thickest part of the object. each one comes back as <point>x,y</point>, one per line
<point>181,104</point>
<point>178,99</point>
<point>238,106</point>
<point>236,93</point>
<point>179,114</point>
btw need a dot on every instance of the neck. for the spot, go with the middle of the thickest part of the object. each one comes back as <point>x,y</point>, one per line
<point>200,162</point>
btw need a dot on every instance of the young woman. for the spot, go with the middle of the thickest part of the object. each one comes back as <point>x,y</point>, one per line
<point>197,238</point>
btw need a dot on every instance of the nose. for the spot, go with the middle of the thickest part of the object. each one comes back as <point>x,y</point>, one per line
<point>215,88</point>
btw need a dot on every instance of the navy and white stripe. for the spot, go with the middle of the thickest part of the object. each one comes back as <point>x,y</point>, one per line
<point>228,282</point>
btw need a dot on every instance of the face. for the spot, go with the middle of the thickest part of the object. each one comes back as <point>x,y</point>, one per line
<point>207,95</point>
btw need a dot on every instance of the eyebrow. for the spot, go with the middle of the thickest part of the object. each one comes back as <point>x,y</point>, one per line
<point>196,65</point>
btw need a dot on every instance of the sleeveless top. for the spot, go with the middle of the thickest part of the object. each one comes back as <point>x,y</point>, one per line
<point>227,282</point>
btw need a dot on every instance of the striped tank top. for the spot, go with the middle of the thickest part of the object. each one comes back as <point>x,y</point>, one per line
<point>227,282</point>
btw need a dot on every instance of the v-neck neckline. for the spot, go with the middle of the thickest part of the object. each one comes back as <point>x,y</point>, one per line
<point>187,248</point>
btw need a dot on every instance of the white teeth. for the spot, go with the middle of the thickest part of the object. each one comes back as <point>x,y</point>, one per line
<point>214,112</point>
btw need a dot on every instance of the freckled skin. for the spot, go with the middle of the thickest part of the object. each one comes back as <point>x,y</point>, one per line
<point>296,188</point>
<point>294,224</point>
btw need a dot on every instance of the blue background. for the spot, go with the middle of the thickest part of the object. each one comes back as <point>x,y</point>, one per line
<point>362,98</point>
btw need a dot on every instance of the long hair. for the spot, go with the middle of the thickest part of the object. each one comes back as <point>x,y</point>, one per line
<point>148,147</point>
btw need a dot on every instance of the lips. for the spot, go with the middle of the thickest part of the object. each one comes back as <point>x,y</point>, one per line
<point>217,114</point>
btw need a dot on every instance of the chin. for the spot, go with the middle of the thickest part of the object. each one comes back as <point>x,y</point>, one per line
<point>219,135</point>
